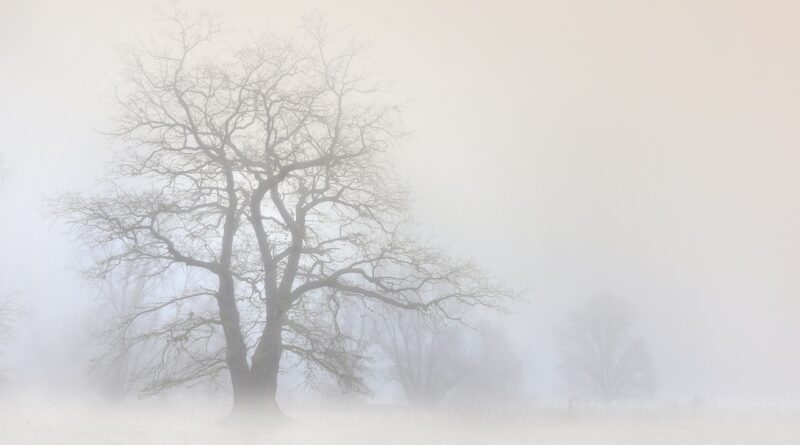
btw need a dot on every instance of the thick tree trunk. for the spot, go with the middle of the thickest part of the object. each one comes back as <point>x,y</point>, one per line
<point>235,347</point>
<point>266,364</point>
<point>267,356</point>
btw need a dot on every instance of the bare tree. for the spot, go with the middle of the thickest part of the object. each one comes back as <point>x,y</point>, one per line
<point>427,358</point>
<point>495,373</point>
<point>266,169</point>
<point>3,168</point>
<point>12,307</point>
<point>601,357</point>
<point>12,310</point>
<point>121,356</point>
<point>455,363</point>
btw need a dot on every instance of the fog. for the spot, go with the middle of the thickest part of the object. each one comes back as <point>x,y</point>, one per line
<point>575,151</point>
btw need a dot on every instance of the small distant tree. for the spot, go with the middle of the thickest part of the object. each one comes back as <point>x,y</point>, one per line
<point>3,169</point>
<point>436,362</point>
<point>427,358</point>
<point>12,308</point>
<point>495,373</point>
<point>601,356</point>
<point>121,351</point>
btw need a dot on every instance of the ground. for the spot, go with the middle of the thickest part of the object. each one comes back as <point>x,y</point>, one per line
<point>70,423</point>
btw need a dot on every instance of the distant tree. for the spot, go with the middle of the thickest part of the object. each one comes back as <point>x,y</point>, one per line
<point>12,307</point>
<point>495,373</point>
<point>436,362</point>
<point>428,359</point>
<point>3,169</point>
<point>600,355</point>
<point>123,353</point>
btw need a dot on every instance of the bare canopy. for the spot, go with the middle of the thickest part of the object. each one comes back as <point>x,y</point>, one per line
<point>601,356</point>
<point>266,170</point>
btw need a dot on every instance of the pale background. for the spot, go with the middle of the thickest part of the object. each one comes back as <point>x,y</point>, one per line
<point>574,148</point>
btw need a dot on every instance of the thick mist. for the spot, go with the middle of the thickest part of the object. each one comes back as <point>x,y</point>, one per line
<point>621,171</point>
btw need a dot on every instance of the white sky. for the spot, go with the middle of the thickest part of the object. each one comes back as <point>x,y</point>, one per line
<point>644,149</point>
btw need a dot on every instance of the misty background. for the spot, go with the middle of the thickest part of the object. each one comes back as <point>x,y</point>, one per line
<point>573,148</point>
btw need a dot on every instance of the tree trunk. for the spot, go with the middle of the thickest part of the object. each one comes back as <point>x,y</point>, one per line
<point>235,347</point>
<point>266,364</point>
<point>267,356</point>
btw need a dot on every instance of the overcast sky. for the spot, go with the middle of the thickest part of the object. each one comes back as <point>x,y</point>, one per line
<point>574,148</point>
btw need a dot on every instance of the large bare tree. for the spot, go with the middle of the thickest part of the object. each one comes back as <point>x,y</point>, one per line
<point>601,356</point>
<point>266,169</point>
